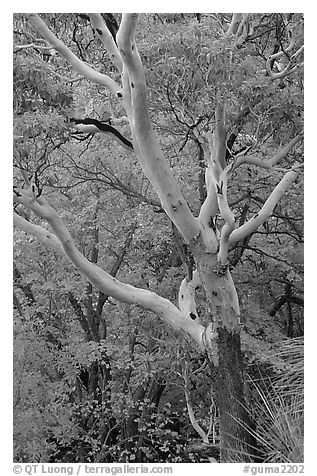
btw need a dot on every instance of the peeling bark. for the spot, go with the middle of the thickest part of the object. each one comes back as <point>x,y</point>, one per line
<point>222,341</point>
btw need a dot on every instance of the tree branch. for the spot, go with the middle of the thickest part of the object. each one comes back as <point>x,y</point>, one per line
<point>227,216</point>
<point>268,164</point>
<point>104,281</point>
<point>209,208</point>
<point>151,156</point>
<point>77,64</point>
<point>235,21</point>
<point>186,296</point>
<point>290,66</point>
<point>219,135</point>
<point>106,39</point>
<point>91,126</point>
<point>102,298</point>
<point>190,410</point>
<point>266,211</point>
<point>45,236</point>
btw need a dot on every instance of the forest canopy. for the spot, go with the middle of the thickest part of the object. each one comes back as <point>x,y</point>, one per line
<point>158,241</point>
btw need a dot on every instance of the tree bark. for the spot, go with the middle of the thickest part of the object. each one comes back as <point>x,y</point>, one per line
<point>222,340</point>
<point>235,422</point>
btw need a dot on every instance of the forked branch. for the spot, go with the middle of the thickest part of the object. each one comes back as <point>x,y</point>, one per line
<point>292,61</point>
<point>82,68</point>
<point>100,278</point>
<point>273,161</point>
<point>259,218</point>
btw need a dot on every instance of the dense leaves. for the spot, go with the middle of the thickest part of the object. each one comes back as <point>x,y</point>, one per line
<point>97,380</point>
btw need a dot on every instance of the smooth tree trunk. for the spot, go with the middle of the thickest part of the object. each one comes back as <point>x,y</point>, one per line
<point>222,340</point>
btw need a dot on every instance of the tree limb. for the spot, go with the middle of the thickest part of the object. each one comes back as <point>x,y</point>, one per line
<point>186,296</point>
<point>78,65</point>
<point>45,236</point>
<point>209,208</point>
<point>266,211</point>
<point>190,410</point>
<point>104,281</point>
<point>235,21</point>
<point>106,39</point>
<point>228,217</point>
<point>219,135</point>
<point>91,126</point>
<point>151,157</point>
<point>268,164</point>
<point>290,66</point>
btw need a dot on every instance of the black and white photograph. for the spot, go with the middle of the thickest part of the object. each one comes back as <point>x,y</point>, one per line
<point>158,258</point>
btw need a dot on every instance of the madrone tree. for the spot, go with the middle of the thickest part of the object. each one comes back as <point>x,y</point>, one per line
<point>210,235</point>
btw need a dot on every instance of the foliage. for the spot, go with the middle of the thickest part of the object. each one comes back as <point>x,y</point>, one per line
<point>279,406</point>
<point>117,394</point>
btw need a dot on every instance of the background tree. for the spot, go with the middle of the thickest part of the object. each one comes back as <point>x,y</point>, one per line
<point>231,130</point>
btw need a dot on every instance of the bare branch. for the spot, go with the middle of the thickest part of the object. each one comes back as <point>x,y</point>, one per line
<point>242,23</point>
<point>227,216</point>
<point>32,45</point>
<point>151,156</point>
<point>190,410</point>
<point>106,39</point>
<point>209,208</point>
<point>267,209</point>
<point>91,126</point>
<point>219,135</point>
<point>233,27</point>
<point>290,66</point>
<point>78,65</point>
<point>104,281</point>
<point>268,164</point>
<point>45,236</point>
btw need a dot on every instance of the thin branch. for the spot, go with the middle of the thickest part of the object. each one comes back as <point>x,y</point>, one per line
<point>31,45</point>
<point>151,156</point>
<point>266,211</point>
<point>228,217</point>
<point>273,161</point>
<point>190,410</point>
<point>115,268</point>
<point>290,66</point>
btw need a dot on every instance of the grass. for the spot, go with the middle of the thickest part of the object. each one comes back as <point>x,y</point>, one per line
<point>279,406</point>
